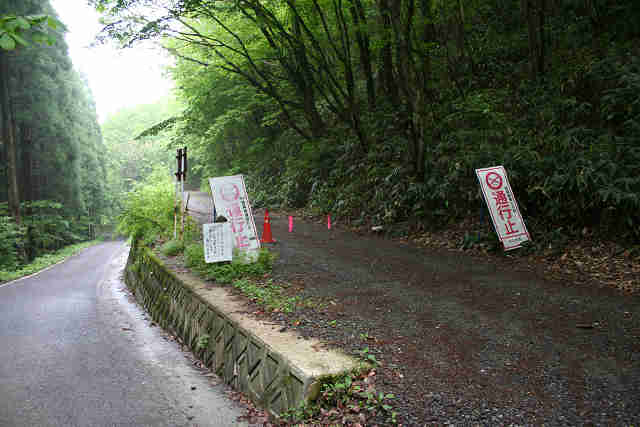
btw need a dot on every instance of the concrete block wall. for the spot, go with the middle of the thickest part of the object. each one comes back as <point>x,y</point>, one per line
<point>277,372</point>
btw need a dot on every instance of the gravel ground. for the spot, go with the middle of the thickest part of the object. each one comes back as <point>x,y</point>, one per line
<point>462,339</point>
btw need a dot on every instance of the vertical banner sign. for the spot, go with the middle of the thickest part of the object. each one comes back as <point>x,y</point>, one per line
<point>231,200</point>
<point>218,242</point>
<point>503,207</point>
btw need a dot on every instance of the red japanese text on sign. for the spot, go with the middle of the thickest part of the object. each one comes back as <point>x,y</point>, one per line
<point>503,207</point>
<point>230,198</point>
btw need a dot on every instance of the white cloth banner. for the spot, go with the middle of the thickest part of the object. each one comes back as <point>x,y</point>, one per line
<point>218,242</point>
<point>507,220</point>
<point>231,200</point>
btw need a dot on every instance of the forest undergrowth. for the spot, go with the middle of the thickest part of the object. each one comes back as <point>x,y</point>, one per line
<point>47,231</point>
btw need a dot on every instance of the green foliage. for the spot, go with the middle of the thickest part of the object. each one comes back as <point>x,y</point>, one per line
<point>203,341</point>
<point>172,247</point>
<point>368,357</point>
<point>270,295</point>
<point>48,227</point>
<point>13,29</point>
<point>192,230</point>
<point>227,272</point>
<point>246,277</point>
<point>194,256</point>
<point>58,145</point>
<point>346,399</point>
<point>149,209</point>
<point>130,161</point>
<point>457,86</point>
<point>42,262</point>
<point>10,237</point>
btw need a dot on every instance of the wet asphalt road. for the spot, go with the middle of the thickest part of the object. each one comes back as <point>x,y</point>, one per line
<point>75,351</point>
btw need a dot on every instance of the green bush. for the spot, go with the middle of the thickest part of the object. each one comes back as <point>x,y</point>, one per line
<point>50,227</point>
<point>230,271</point>
<point>172,247</point>
<point>194,256</point>
<point>46,227</point>
<point>149,209</point>
<point>11,239</point>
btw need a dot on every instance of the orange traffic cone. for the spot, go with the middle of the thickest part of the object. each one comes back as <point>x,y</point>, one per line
<point>266,232</point>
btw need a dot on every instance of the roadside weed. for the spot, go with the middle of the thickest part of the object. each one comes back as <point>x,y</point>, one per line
<point>269,294</point>
<point>203,341</point>
<point>367,356</point>
<point>346,399</point>
<point>172,248</point>
<point>230,271</point>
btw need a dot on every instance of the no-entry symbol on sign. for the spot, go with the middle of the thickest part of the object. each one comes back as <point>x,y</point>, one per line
<point>503,207</point>
<point>493,180</point>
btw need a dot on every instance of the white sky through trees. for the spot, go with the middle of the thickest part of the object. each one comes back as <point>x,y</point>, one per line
<point>118,78</point>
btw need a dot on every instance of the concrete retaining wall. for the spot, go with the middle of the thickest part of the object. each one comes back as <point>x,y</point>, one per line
<point>277,371</point>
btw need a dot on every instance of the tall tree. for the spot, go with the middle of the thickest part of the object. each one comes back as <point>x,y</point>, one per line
<point>8,138</point>
<point>14,27</point>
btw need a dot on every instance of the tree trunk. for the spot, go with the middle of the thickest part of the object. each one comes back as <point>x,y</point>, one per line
<point>403,54</point>
<point>542,12</point>
<point>594,17</point>
<point>460,36</point>
<point>27,182</point>
<point>8,137</point>
<point>352,103</point>
<point>360,22</point>
<point>27,173</point>
<point>386,54</point>
<point>535,11</point>
<point>304,83</point>
<point>424,93</point>
<point>411,81</point>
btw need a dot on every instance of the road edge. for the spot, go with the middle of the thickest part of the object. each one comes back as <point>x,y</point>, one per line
<point>276,369</point>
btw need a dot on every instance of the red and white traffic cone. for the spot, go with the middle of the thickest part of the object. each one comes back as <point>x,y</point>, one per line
<point>266,232</point>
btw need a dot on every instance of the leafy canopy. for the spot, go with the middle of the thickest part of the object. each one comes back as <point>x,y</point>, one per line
<point>14,29</point>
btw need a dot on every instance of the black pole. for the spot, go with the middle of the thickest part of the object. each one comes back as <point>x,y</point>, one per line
<point>179,159</point>
<point>184,164</point>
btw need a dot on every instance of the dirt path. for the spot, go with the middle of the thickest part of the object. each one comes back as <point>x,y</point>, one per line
<point>460,339</point>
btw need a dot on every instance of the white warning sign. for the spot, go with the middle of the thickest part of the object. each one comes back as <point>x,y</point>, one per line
<point>218,242</point>
<point>231,200</point>
<point>503,207</point>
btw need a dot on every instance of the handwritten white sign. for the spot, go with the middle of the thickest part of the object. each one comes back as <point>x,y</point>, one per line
<point>231,200</point>
<point>503,207</point>
<point>218,242</point>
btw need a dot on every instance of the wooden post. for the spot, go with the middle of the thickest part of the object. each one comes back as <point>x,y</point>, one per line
<point>182,210</point>
<point>175,212</point>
